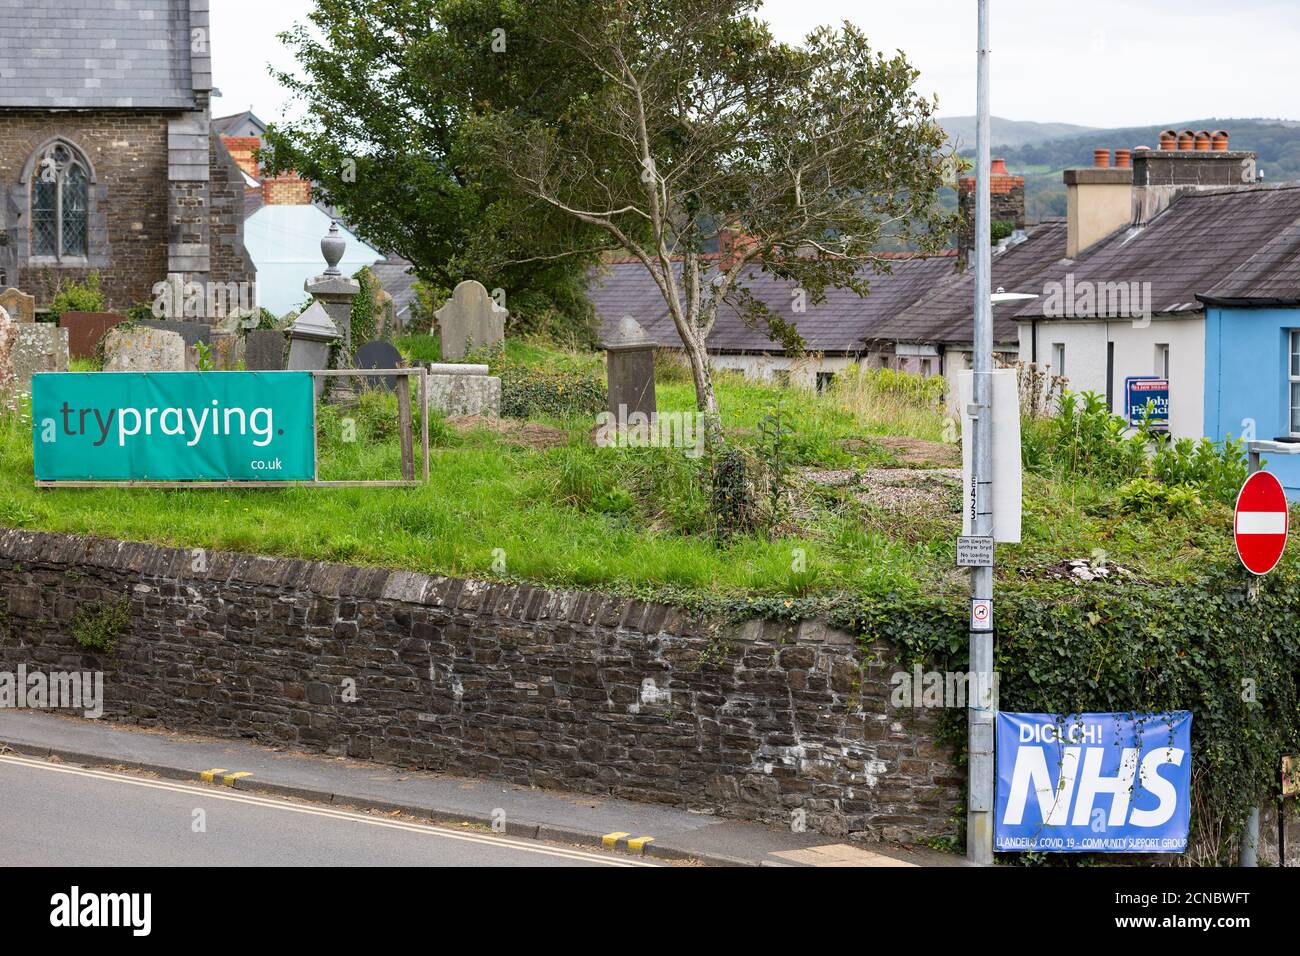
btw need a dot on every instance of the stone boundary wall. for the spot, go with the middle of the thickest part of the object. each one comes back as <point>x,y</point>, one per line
<point>556,689</point>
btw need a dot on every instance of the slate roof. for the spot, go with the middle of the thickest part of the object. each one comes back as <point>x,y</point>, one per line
<point>840,324</point>
<point>944,315</point>
<point>1239,242</point>
<point>83,54</point>
<point>395,279</point>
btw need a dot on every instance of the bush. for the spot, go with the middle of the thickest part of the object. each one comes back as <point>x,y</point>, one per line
<point>1145,496</point>
<point>528,392</point>
<point>77,297</point>
<point>1217,470</point>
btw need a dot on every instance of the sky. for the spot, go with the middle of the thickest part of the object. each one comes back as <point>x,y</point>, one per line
<point>1103,63</point>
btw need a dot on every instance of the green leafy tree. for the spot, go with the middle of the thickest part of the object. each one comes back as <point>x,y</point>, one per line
<point>386,89</point>
<point>700,128</point>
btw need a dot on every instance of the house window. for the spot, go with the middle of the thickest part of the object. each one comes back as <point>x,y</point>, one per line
<point>1294,382</point>
<point>1058,358</point>
<point>1162,361</point>
<point>59,204</point>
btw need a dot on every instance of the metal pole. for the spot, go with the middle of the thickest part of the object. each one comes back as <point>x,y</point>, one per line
<point>1249,853</point>
<point>980,713</point>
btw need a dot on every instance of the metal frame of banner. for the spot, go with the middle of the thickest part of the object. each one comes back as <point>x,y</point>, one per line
<point>405,423</point>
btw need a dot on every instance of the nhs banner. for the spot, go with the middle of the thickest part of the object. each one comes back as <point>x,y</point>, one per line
<point>1093,783</point>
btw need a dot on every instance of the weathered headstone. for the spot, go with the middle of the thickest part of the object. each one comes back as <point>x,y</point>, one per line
<point>145,349</point>
<point>37,347</point>
<point>86,330</point>
<point>8,334</point>
<point>264,350</point>
<point>192,332</point>
<point>20,306</point>
<point>630,369</point>
<point>379,355</point>
<point>470,320</point>
<point>310,339</point>
<point>226,350</point>
<point>457,390</point>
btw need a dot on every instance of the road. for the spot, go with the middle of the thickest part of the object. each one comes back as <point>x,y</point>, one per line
<point>59,815</point>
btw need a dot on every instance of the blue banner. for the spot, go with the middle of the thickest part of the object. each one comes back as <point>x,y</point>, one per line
<point>1093,783</point>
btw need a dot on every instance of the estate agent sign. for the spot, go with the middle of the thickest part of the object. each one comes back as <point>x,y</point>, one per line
<point>1141,389</point>
<point>1093,783</point>
<point>173,426</point>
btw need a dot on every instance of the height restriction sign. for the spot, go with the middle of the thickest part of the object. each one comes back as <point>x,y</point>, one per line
<point>1260,527</point>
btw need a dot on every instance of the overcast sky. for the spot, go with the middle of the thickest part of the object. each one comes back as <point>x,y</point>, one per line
<point>1096,63</point>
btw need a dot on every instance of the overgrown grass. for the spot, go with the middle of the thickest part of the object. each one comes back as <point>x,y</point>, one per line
<point>625,519</point>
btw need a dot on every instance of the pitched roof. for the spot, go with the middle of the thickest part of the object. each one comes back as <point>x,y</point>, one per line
<point>841,323</point>
<point>102,54</point>
<point>395,278</point>
<point>222,125</point>
<point>944,314</point>
<point>1237,242</point>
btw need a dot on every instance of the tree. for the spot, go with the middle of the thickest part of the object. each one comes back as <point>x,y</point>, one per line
<point>700,126</point>
<point>386,89</point>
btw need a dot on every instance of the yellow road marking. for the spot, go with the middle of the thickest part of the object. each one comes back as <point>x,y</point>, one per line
<point>208,775</point>
<point>247,798</point>
<point>639,843</point>
<point>230,778</point>
<point>610,840</point>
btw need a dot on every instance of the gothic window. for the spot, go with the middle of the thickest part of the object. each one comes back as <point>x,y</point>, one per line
<point>60,202</point>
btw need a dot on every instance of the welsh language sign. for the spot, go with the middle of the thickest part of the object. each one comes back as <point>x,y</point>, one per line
<point>1093,783</point>
<point>1138,390</point>
<point>173,426</point>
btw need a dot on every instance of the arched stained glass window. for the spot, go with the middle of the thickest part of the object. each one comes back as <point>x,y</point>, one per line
<point>60,203</point>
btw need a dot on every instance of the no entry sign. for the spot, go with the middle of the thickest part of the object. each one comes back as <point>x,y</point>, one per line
<point>1261,523</point>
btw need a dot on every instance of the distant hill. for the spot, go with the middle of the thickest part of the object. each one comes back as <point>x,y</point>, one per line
<point>961,131</point>
<point>1277,142</point>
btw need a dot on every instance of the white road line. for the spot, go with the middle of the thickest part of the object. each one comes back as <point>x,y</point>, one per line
<point>212,793</point>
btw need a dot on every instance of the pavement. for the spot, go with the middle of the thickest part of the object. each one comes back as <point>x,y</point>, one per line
<point>505,810</point>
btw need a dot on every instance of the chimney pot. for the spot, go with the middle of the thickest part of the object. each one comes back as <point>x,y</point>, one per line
<point>1220,143</point>
<point>998,167</point>
<point>1122,157</point>
<point>1203,141</point>
<point>1101,157</point>
<point>1186,140</point>
<point>1169,140</point>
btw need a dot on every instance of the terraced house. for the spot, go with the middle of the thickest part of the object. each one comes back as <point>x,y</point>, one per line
<point>109,162</point>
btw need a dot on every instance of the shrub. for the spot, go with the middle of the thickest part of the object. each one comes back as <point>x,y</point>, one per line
<point>77,297</point>
<point>732,503</point>
<point>97,626</point>
<point>528,392</point>
<point>1217,470</point>
<point>1145,496</point>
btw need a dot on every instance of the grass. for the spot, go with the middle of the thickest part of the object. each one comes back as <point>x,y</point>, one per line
<point>627,519</point>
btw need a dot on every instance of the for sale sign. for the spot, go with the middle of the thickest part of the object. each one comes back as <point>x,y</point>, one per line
<point>1139,390</point>
<point>1093,783</point>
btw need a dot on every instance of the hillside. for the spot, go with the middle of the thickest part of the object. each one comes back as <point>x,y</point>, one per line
<point>1276,141</point>
<point>1006,132</point>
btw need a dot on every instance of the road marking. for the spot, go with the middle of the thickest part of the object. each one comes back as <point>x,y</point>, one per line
<point>246,798</point>
<point>230,778</point>
<point>638,844</point>
<point>209,774</point>
<point>610,840</point>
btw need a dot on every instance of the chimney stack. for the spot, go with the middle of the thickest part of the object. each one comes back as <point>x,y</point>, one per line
<point>1007,204</point>
<point>1098,200</point>
<point>1202,161</point>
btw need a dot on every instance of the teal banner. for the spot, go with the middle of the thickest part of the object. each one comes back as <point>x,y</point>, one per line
<point>173,426</point>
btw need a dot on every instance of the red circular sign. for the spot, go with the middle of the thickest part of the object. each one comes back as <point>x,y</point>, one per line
<point>1260,524</point>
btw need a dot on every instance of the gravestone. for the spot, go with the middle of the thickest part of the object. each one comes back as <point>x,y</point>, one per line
<point>264,350</point>
<point>379,355</point>
<point>35,347</point>
<point>145,349</point>
<point>8,334</point>
<point>20,306</point>
<point>310,339</point>
<point>86,330</point>
<point>458,390</point>
<point>191,332</point>
<point>630,370</point>
<point>470,320</point>
<point>226,350</point>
